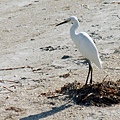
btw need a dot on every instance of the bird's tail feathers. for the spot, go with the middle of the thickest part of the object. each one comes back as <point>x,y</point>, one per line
<point>99,64</point>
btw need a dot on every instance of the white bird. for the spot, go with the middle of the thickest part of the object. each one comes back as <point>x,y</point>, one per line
<point>85,45</point>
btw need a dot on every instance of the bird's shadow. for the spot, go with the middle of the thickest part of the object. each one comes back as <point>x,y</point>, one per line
<point>47,113</point>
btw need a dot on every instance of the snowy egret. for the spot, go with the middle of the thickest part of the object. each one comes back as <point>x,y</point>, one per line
<point>85,45</point>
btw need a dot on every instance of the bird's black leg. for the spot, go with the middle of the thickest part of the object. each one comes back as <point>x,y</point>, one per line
<point>91,69</point>
<point>88,72</point>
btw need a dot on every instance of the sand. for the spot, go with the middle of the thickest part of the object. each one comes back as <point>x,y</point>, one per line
<point>31,50</point>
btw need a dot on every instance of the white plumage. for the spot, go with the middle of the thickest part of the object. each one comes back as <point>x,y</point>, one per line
<point>85,45</point>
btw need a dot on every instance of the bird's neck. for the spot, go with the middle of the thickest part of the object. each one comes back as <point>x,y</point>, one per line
<point>73,33</point>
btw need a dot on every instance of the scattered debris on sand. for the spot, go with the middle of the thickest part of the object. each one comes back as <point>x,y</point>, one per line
<point>101,94</point>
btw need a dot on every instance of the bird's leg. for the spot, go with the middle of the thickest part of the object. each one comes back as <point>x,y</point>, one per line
<point>91,69</point>
<point>88,72</point>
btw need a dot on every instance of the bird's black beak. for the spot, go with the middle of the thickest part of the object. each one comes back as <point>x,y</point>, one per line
<point>66,21</point>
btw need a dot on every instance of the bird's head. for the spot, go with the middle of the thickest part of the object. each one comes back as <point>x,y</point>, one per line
<point>71,19</point>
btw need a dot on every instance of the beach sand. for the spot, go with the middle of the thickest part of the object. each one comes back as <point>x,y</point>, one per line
<point>31,51</point>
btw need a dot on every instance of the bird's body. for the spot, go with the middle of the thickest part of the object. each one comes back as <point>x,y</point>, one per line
<point>87,48</point>
<point>85,45</point>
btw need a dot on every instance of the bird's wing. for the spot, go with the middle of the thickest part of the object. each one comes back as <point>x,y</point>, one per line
<point>88,48</point>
